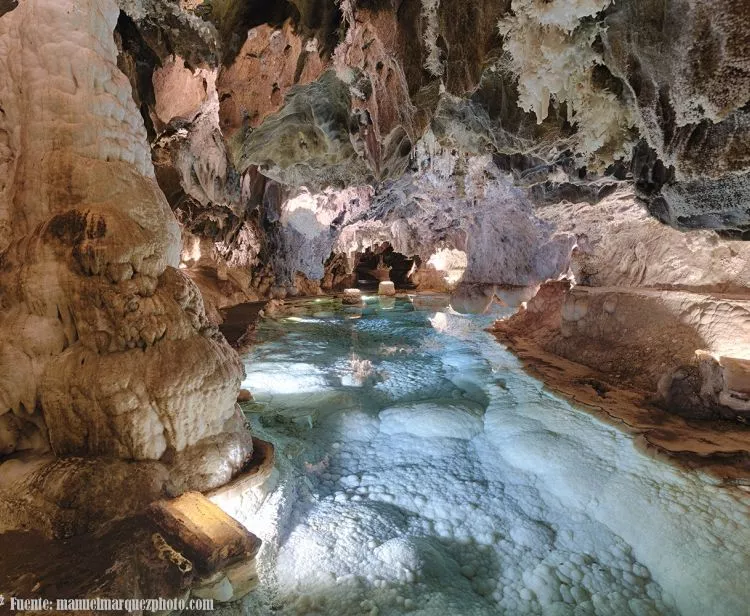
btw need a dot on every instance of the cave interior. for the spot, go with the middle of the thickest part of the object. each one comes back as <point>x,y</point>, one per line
<point>375,307</point>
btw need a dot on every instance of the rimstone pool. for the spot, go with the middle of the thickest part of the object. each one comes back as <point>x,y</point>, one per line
<point>421,471</point>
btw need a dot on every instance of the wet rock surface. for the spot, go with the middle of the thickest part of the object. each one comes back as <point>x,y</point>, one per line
<point>208,536</point>
<point>183,550</point>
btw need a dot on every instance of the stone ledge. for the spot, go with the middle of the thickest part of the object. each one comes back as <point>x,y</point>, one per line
<point>721,449</point>
<point>255,474</point>
<point>352,297</point>
<point>386,287</point>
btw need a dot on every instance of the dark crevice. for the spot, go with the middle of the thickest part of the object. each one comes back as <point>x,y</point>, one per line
<point>6,6</point>
<point>381,262</point>
<point>320,18</point>
<point>138,62</point>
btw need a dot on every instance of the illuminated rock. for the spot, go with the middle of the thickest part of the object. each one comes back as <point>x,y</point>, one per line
<point>216,587</point>
<point>244,396</point>
<point>162,161</point>
<point>736,373</point>
<point>106,348</point>
<point>659,341</point>
<point>201,530</point>
<point>243,577</point>
<point>386,287</point>
<point>352,297</point>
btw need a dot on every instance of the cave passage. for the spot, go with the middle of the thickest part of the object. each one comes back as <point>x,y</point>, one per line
<point>383,263</point>
<point>422,471</point>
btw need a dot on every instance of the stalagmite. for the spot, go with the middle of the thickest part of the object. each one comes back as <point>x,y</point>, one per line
<point>352,297</point>
<point>386,287</point>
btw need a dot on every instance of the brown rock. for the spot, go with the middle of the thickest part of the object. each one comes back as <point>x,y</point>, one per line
<point>203,532</point>
<point>244,396</point>
<point>271,61</point>
<point>352,297</point>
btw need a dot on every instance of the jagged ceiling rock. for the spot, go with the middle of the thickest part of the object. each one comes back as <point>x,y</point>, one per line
<point>190,154</point>
<point>312,19</point>
<point>675,72</point>
<point>570,98</point>
<point>551,49</point>
<point>178,91</point>
<point>233,19</point>
<point>460,202</point>
<point>269,63</point>
<point>460,37</point>
<point>394,74</point>
<point>170,28</point>
<point>686,65</point>
<point>319,93</point>
<point>396,29</point>
<point>702,69</point>
<point>387,120</point>
<point>307,143</point>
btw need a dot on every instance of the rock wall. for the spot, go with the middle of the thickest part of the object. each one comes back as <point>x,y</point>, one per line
<point>618,244</point>
<point>655,309</point>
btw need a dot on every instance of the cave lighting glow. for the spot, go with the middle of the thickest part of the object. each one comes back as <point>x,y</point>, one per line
<point>304,214</point>
<point>191,251</point>
<point>302,320</point>
<point>451,262</point>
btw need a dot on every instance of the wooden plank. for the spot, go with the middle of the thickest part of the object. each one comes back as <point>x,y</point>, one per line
<point>203,532</point>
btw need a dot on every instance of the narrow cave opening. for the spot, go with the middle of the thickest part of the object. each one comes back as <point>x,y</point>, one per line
<point>382,262</point>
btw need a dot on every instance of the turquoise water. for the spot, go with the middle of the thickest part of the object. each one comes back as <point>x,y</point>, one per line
<point>421,471</point>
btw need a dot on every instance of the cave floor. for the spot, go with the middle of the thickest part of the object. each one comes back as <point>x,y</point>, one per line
<point>422,471</point>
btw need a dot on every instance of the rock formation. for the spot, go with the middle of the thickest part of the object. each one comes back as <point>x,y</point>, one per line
<point>106,351</point>
<point>653,333</point>
<point>654,308</point>
<point>569,98</point>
